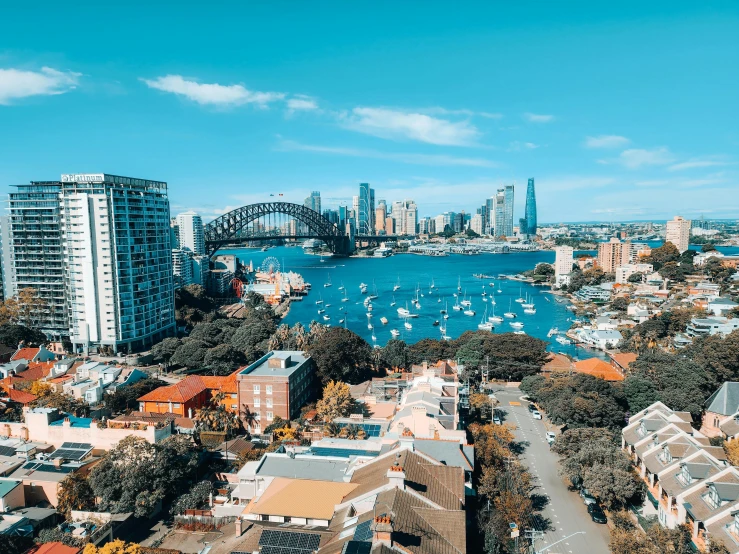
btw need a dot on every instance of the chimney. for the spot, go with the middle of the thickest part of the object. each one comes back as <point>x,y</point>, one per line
<point>58,462</point>
<point>382,529</point>
<point>396,476</point>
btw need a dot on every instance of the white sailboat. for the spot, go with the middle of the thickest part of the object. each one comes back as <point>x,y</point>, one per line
<point>495,318</point>
<point>484,324</point>
<point>408,325</point>
<point>342,286</point>
<point>529,302</point>
<point>393,302</point>
<point>373,294</point>
<point>395,332</point>
<point>510,314</point>
<point>362,288</point>
<point>516,324</point>
<point>397,285</point>
<point>444,336</point>
<point>328,283</point>
<point>529,311</point>
<point>345,298</point>
<point>319,301</point>
<point>520,298</point>
<point>326,317</point>
<point>465,302</point>
<point>457,306</point>
<point>469,311</point>
<point>459,284</point>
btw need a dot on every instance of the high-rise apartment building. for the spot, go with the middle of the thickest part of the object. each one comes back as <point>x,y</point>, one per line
<point>563,264</point>
<point>405,216</point>
<point>503,221</point>
<point>181,268</point>
<point>117,260</point>
<point>476,223</point>
<point>366,210</point>
<point>678,233</point>
<point>33,252</point>
<point>191,233</point>
<point>97,250</point>
<point>615,253</point>
<point>380,216</point>
<point>528,223</point>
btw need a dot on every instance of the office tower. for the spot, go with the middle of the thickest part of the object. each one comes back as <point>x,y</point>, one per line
<point>365,210</point>
<point>615,253</point>
<point>439,224</point>
<point>411,218</point>
<point>191,232</point>
<point>458,222</point>
<point>528,222</point>
<point>423,225</point>
<point>313,201</point>
<point>34,252</point>
<point>355,209</point>
<point>389,225</point>
<point>678,233</point>
<point>563,264</point>
<point>503,220</point>
<point>343,216</point>
<point>118,260</point>
<point>380,215</point>
<point>489,221</point>
<point>476,223</point>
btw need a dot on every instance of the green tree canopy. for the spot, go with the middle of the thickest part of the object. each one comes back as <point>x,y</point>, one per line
<point>341,355</point>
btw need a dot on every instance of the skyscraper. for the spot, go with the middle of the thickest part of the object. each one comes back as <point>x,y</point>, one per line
<point>366,207</point>
<point>191,233</point>
<point>380,216</point>
<point>504,212</point>
<point>678,233</point>
<point>528,222</point>
<point>313,201</point>
<point>97,249</point>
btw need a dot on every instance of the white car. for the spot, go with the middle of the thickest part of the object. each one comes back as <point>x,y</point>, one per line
<point>551,437</point>
<point>536,414</point>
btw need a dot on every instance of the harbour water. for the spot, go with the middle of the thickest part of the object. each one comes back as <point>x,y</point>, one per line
<point>420,272</point>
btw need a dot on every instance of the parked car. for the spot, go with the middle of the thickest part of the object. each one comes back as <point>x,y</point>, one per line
<point>496,419</point>
<point>536,414</point>
<point>551,437</point>
<point>587,497</point>
<point>596,513</point>
<point>531,407</point>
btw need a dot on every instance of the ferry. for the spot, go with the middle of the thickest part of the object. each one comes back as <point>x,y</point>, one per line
<point>516,324</point>
<point>395,332</point>
<point>383,320</point>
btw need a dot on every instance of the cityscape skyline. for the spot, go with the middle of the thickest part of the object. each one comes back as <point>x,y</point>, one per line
<point>248,123</point>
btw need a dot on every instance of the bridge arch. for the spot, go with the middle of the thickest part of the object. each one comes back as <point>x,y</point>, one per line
<point>225,228</point>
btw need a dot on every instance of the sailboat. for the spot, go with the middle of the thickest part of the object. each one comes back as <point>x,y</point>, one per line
<point>408,325</point>
<point>373,295</point>
<point>393,302</point>
<point>326,317</point>
<point>459,284</point>
<point>397,285</point>
<point>342,286</point>
<point>432,285</point>
<point>362,288</point>
<point>529,302</point>
<point>369,326</point>
<point>466,302</point>
<point>484,324</point>
<point>319,301</point>
<point>530,311</point>
<point>510,314</point>
<point>495,318</point>
<point>395,332</point>
<point>321,311</point>
<point>520,298</point>
<point>484,293</point>
<point>345,298</point>
<point>516,324</point>
<point>457,306</point>
<point>328,283</point>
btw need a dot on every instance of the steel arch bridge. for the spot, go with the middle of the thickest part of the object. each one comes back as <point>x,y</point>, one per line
<point>230,228</point>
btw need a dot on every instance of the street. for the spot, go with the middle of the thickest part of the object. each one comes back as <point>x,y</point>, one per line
<point>565,510</point>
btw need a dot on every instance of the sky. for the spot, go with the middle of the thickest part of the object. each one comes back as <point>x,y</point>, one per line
<point>620,111</point>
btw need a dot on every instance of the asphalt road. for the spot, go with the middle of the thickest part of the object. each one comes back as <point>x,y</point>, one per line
<point>565,511</point>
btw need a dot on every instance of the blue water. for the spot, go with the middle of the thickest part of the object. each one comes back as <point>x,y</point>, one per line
<point>415,271</point>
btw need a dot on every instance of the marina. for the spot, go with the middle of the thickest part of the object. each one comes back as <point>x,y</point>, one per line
<point>413,293</point>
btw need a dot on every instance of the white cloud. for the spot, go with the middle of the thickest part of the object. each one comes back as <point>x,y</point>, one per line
<point>409,158</point>
<point>517,146</point>
<point>17,83</point>
<point>692,164</point>
<point>538,118</point>
<point>301,103</point>
<point>396,124</point>
<point>212,93</point>
<point>606,141</point>
<point>443,111</point>
<point>636,157</point>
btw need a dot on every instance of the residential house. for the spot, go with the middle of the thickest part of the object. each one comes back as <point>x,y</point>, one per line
<point>721,306</point>
<point>40,354</point>
<point>622,360</point>
<point>603,340</point>
<point>598,368</point>
<point>183,398</point>
<point>720,406</point>
<point>702,326</point>
<point>11,494</point>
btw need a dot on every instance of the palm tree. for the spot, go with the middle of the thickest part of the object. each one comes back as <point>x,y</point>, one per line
<point>247,416</point>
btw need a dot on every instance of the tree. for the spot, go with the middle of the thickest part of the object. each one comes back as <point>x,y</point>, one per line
<point>636,277</point>
<point>336,402</point>
<point>668,252</point>
<point>544,269</point>
<point>224,359</point>
<point>192,305</point>
<point>620,304</point>
<point>252,337</point>
<point>215,416</point>
<point>114,547</point>
<point>471,233</point>
<point>732,451</point>
<point>481,407</point>
<point>395,354</point>
<point>195,498</point>
<point>163,351</point>
<point>135,476</point>
<point>64,403</point>
<point>285,433</point>
<point>614,487</point>
<point>341,355</point>
<point>75,493</point>
<point>505,355</point>
<point>672,271</point>
<point>191,353</point>
<point>640,392</point>
<point>708,247</point>
<point>12,335</point>
<point>126,398</point>
<point>431,351</point>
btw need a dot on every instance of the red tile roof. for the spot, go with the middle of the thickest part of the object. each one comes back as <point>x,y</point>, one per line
<point>185,390</point>
<point>54,548</point>
<point>25,354</point>
<point>623,359</point>
<point>598,368</point>
<point>19,396</point>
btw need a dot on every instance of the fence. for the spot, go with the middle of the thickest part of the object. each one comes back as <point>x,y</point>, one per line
<point>201,521</point>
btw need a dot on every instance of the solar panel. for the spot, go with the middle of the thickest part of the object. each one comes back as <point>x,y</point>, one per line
<point>287,542</point>
<point>7,451</point>
<point>356,547</point>
<point>363,532</point>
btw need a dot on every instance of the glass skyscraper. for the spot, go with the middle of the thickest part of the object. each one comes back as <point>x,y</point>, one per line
<point>504,212</point>
<point>528,223</point>
<point>366,210</point>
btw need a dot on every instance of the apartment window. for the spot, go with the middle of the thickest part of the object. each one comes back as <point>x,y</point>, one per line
<point>269,402</point>
<point>177,405</point>
<point>257,389</point>
<point>256,429</point>
<point>233,406</point>
<point>684,476</point>
<point>233,395</point>
<point>269,389</point>
<point>270,416</point>
<point>257,402</point>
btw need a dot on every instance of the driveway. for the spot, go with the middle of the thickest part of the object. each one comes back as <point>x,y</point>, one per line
<point>565,511</point>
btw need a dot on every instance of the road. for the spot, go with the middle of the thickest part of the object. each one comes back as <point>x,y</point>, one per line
<point>566,512</point>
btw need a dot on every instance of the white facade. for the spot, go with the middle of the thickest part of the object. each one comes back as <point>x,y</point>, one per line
<point>678,233</point>
<point>476,223</point>
<point>191,232</point>
<point>182,266</point>
<point>405,215</point>
<point>563,263</point>
<point>623,272</point>
<point>117,260</point>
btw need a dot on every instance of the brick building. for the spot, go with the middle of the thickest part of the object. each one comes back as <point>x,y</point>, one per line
<point>276,385</point>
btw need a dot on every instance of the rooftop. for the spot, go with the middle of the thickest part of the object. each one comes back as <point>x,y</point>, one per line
<point>7,485</point>
<point>278,363</point>
<point>598,368</point>
<point>300,498</point>
<point>79,422</point>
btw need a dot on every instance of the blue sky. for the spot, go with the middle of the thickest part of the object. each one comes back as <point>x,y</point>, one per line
<point>621,111</point>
